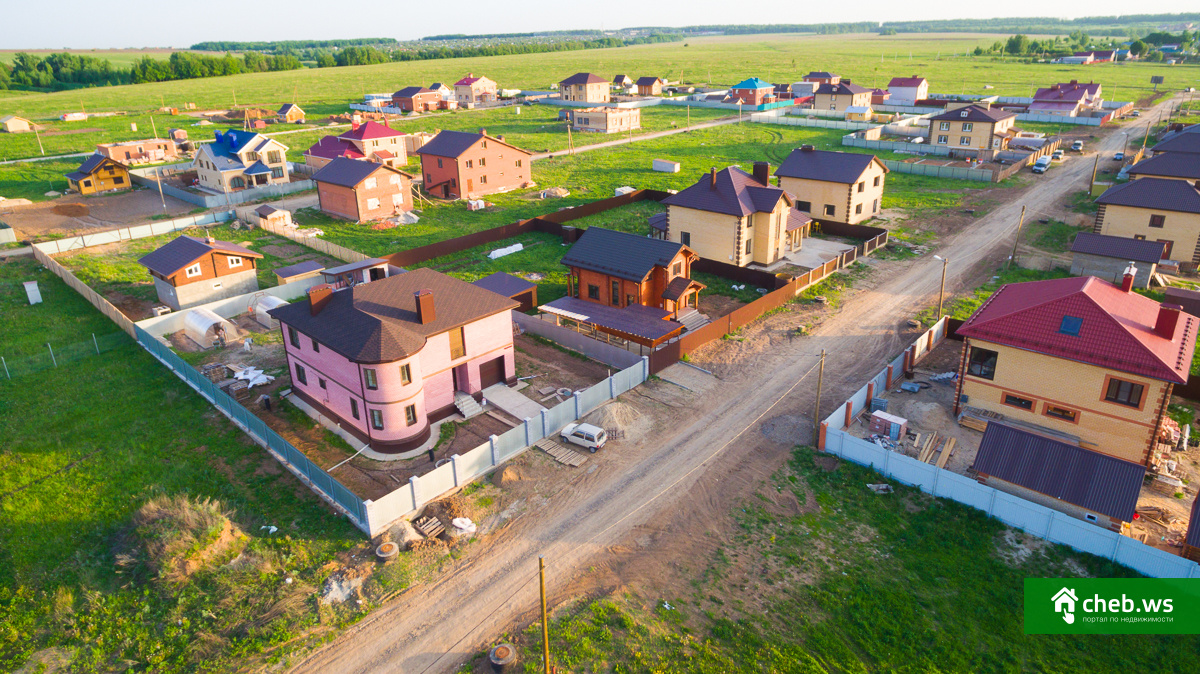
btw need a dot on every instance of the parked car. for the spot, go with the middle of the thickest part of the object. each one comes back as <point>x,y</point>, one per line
<point>1136,113</point>
<point>585,435</point>
<point>1041,165</point>
<point>1120,156</point>
<point>1077,146</point>
<point>1057,156</point>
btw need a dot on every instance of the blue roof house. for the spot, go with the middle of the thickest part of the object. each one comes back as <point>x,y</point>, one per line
<point>239,160</point>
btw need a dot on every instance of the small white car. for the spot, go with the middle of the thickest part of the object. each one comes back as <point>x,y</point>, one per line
<point>585,435</point>
<point>1077,146</point>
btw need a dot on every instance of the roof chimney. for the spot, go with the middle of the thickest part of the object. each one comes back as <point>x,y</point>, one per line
<point>482,131</point>
<point>1127,279</point>
<point>209,240</point>
<point>354,126</point>
<point>425,313</point>
<point>1168,317</point>
<point>762,172</point>
<point>318,297</point>
<point>712,178</point>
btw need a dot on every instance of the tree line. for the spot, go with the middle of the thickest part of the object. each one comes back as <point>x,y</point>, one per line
<point>279,46</point>
<point>187,66</point>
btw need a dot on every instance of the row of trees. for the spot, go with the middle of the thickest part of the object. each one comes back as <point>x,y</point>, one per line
<point>188,66</point>
<point>282,46</point>
<point>359,56</point>
<point>60,71</point>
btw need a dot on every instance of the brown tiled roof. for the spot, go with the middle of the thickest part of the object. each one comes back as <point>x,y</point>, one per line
<point>975,113</point>
<point>351,172</point>
<point>1090,480</point>
<point>913,81</point>
<point>1187,141</point>
<point>505,284</point>
<point>796,220</point>
<point>620,254</point>
<point>646,322</point>
<point>454,143</point>
<point>1124,248</point>
<point>183,251</point>
<point>1162,194</point>
<point>841,88</point>
<point>736,193</point>
<point>648,81</point>
<point>377,322</point>
<point>583,78</point>
<point>826,165</point>
<point>680,285</point>
<point>1169,164</point>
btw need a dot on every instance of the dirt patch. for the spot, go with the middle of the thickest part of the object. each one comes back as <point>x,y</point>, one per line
<point>68,132</point>
<point>103,212</point>
<point>71,210</point>
<point>134,308</point>
<point>1014,547</point>
<point>554,367</point>
<point>282,251</point>
<point>788,429</point>
<point>827,462</point>
<point>715,306</point>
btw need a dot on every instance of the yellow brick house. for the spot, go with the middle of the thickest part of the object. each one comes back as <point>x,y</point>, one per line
<point>1154,209</point>
<point>834,186</point>
<point>972,127</point>
<point>1086,361</point>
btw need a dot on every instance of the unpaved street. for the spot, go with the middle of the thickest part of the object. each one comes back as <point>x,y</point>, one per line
<point>638,509</point>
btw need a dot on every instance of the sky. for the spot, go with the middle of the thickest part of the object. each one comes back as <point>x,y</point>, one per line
<point>87,24</point>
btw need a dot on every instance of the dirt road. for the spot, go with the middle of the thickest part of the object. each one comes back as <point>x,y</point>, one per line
<point>635,512</point>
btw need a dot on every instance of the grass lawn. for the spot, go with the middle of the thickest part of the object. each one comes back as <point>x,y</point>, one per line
<point>31,180</point>
<point>1055,236</point>
<point>118,269</point>
<point>848,581</point>
<point>124,429</point>
<point>62,317</point>
<point>867,58</point>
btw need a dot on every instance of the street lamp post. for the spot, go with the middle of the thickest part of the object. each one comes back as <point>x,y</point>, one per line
<point>942,291</point>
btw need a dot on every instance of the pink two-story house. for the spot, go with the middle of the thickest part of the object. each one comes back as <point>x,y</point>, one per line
<point>388,358</point>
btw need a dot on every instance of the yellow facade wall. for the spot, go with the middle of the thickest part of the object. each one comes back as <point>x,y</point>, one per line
<point>840,103</point>
<point>980,135</point>
<point>1181,229</point>
<point>845,199</point>
<point>105,178</point>
<point>1112,428</point>
<point>722,237</point>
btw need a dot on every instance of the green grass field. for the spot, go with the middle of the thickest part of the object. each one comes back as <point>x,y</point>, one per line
<point>84,447</point>
<point>868,59</point>
<point>848,581</point>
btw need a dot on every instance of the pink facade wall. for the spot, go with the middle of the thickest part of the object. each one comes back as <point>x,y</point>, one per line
<point>432,386</point>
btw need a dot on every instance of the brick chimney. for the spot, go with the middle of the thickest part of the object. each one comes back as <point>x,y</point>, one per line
<point>712,178</point>
<point>1168,317</point>
<point>209,240</point>
<point>762,172</point>
<point>482,131</point>
<point>1127,279</point>
<point>318,297</point>
<point>425,312</point>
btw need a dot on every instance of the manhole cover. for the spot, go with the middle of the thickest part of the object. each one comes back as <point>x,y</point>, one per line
<point>503,654</point>
<point>387,550</point>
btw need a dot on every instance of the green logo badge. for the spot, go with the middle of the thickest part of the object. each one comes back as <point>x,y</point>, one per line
<point>1112,606</point>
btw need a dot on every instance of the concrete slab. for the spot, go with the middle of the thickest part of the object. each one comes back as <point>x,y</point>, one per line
<point>815,252</point>
<point>688,377</point>
<point>512,402</point>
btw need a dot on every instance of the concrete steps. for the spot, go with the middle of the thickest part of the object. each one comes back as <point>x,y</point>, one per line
<point>466,405</point>
<point>692,319</point>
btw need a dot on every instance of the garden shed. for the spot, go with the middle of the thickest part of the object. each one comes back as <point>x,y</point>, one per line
<point>207,329</point>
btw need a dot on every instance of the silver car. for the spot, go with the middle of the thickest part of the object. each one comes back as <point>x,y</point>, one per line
<point>585,435</point>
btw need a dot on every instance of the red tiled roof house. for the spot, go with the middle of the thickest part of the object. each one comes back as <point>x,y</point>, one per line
<point>416,99</point>
<point>1081,358</point>
<point>471,89</point>
<point>360,190</point>
<point>370,140</point>
<point>458,165</point>
<point>386,359</point>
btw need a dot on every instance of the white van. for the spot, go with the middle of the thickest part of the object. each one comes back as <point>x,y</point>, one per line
<point>1041,165</point>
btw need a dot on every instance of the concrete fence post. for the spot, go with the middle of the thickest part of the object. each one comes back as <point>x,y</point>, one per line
<point>1049,525</point>
<point>412,483</point>
<point>454,468</point>
<point>526,427</point>
<point>578,405</point>
<point>849,413</point>
<point>492,447</point>
<point>545,425</point>
<point>612,387</point>
<point>1116,547</point>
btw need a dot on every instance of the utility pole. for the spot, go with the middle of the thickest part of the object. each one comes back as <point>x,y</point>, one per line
<point>1095,167</point>
<point>158,180</point>
<point>39,139</point>
<point>570,141</point>
<point>545,621</point>
<point>942,291</point>
<point>820,381</point>
<point>154,127</point>
<point>1020,224</point>
<point>689,119</point>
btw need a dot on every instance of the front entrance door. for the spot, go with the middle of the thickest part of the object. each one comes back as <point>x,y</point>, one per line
<point>1166,248</point>
<point>470,185</point>
<point>462,381</point>
<point>445,191</point>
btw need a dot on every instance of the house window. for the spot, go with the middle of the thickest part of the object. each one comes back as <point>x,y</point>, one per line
<point>293,337</point>
<point>805,206</point>
<point>372,380</point>
<point>372,204</point>
<point>830,210</point>
<point>944,126</point>
<point>482,180</point>
<point>518,163</point>
<point>615,295</point>
<point>301,375</point>
<point>677,269</point>
<point>877,179</point>
<point>858,209</point>
<point>1158,220</point>
<point>237,182</point>
<point>193,270</point>
<point>1061,413</point>
<point>87,183</point>
<point>629,300</point>
<point>377,420</point>
<point>118,180</point>
<point>1070,325</point>
<point>967,126</point>
<point>982,363</point>
<point>482,161</point>
<point>458,348</point>
<point>354,408</point>
<point>593,292</point>
<point>439,162</point>
<point>320,382</point>
<point>315,346</point>
<point>233,261</point>
<point>470,164</point>
<point>1017,401</point>
<point>405,374</point>
<point>875,206</point>
<point>1089,517</point>
<point>1124,393</point>
<point>942,140</point>
<point>370,183</point>
<point>277,172</point>
<point>964,140</point>
<point>273,157</point>
<point>862,186</point>
<point>749,245</point>
<point>685,238</point>
<point>410,415</point>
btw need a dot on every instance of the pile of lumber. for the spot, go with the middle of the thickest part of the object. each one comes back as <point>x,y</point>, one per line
<point>943,448</point>
<point>430,527</point>
<point>213,372</point>
<point>561,454</point>
<point>977,419</point>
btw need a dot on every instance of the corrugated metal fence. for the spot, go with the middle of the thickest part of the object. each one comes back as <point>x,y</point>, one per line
<point>1016,512</point>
